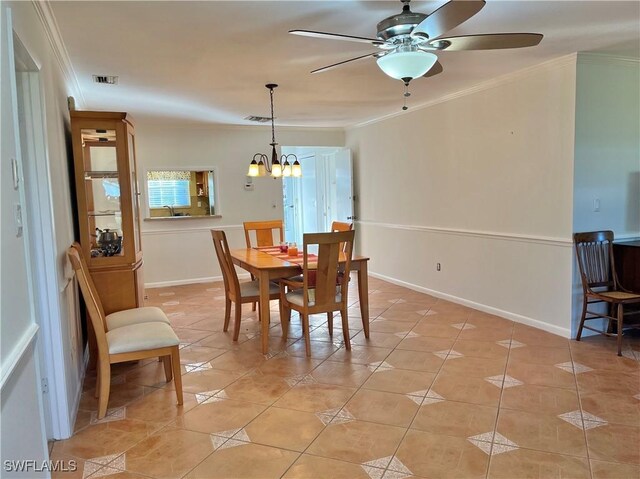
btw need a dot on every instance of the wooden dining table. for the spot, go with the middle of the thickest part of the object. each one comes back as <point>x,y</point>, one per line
<point>266,267</point>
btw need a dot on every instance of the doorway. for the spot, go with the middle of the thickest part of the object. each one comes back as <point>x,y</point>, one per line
<point>322,195</point>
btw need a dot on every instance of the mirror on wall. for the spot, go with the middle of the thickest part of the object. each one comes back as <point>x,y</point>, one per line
<point>182,193</point>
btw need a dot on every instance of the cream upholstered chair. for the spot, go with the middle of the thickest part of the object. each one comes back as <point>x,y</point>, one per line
<point>129,341</point>
<point>117,319</point>
<point>234,290</point>
<point>324,285</point>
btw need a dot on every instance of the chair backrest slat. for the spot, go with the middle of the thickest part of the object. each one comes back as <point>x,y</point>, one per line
<point>327,265</point>
<point>594,252</point>
<point>229,275</point>
<point>91,298</point>
<point>341,226</point>
<point>263,231</point>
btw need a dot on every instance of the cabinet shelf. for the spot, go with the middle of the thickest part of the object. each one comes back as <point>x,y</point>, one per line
<point>99,175</point>
<point>98,213</point>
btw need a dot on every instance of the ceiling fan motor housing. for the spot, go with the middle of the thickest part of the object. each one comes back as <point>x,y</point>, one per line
<point>400,24</point>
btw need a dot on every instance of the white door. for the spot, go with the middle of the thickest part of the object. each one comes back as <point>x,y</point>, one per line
<point>23,429</point>
<point>324,193</point>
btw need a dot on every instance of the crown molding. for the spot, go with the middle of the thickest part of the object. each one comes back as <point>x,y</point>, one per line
<point>486,85</point>
<point>591,58</point>
<point>43,9</point>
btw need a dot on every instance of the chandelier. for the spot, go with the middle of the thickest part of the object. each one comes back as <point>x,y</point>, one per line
<point>261,165</point>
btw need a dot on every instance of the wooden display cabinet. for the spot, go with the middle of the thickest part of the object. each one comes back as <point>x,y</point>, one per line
<point>108,199</point>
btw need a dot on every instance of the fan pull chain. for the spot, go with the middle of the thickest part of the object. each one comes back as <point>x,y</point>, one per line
<point>406,95</point>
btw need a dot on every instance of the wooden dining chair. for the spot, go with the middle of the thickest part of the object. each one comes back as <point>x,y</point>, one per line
<point>594,251</point>
<point>235,291</point>
<point>125,343</point>
<point>324,288</point>
<point>263,231</point>
<point>117,319</point>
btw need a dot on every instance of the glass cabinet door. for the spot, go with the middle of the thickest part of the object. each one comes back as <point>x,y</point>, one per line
<point>102,189</point>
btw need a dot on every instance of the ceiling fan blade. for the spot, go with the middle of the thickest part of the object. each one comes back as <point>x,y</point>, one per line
<point>330,67</point>
<point>490,41</point>
<point>447,17</point>
<point>435,69</point>
<point>336,36</point>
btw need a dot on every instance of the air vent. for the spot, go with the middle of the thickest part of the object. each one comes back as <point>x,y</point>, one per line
<point>106,79</point>
<point>259,119</point>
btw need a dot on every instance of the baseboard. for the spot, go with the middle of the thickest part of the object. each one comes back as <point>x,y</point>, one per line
<point>518,318</point>
<point>78,395</point>
<point>179,282</point>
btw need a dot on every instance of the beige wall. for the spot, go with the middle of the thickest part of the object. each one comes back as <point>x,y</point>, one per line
<point>180,250</point>
<point>481,183</point>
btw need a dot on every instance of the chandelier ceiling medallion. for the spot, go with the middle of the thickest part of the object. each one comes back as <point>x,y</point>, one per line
<point>261,164</point>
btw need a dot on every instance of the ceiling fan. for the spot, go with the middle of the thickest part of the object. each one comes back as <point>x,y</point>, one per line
<point>409,39</point>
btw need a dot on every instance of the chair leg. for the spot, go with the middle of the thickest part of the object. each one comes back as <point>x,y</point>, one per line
<point>253,306</point>
<point>104,370</point>
<point>285,319</point>
<point>96,394</point>
<point>345,328</point>
<point>177,378</point>
<point>236,324</point>
<point>167,367</point>
<point>582,318</point>
<point>305,332</point>
<point>330,322</point>
<point>227,314</point>
<point>620,319</point>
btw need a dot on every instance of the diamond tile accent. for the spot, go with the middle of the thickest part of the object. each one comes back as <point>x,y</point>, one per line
<point>448,354</point>
<point>503,381</point>
<point>106,471</point>
<point>463,326</point>
<point>583,420</point>
<point>379,365</point>
<point>500,439</point>
<point>482,445</point>
<point>171,303</point>
<point>572,367</point>
<point>401,334</point>
<point>202,397</point>
<point>242,435</point>
<point>381,462</point>
<point>416,399</point>
<point>431,313</point>
<point>229,433</point>
<point>373,472</point>
<point>500,448</point>
<point>213,289</point>
<point>217,441</point>
<point>516,344</point>
<point>411,334</point>
<point>637,396</point>
<point>168,293</point>
<point>96,464</point>
<point>232,443</point>
<point>484,437</point>
<point>197,367</point>
<point>342,417</point>
<point>397,466</point>
<point>432,398</point>
<point>177,314</point>
<point>115,414</point>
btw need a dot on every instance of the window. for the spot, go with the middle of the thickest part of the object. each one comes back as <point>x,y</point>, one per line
<point>169,188</point>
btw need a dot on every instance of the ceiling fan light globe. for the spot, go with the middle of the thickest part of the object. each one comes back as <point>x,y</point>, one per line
<point>408,64</point>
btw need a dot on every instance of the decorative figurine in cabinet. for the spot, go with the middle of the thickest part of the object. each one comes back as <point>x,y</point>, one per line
<point>108,205</point>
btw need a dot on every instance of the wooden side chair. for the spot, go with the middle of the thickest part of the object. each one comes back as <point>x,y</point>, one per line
<point>239,293</point>
<point>127,317</point>
<point>125,343</point>
<point>594,251</point>
<point>324,291</point>
<point>263,232</point>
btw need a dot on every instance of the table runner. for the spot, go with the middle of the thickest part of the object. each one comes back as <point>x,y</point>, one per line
<point>299,259</point>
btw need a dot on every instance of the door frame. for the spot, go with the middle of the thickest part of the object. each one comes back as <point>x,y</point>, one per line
<point>41,245</point>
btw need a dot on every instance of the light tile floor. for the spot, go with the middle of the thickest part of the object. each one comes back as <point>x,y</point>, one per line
<point>438,391</point>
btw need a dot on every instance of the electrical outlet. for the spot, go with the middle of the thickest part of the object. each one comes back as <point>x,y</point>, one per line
<point>437,266</point>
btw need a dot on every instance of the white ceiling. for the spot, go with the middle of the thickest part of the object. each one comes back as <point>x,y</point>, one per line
<point>208,61</point>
